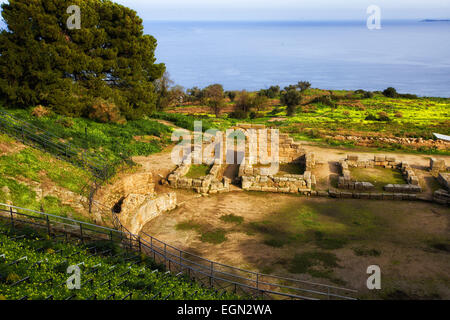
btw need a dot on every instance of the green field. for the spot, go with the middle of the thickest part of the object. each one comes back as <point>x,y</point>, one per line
<point>319,122</point>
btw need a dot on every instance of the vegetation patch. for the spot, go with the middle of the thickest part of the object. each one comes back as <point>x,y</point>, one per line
<point>315,263</point>
<point>197,171</point>
<point>329,225</point>
<point>366,252</point>
<point>379,177</point>
<point>214,237</point>
<point>187,225</point>
<point>231,218</point>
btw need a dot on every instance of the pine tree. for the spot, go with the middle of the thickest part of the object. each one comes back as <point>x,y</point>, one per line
<point>44,62</point>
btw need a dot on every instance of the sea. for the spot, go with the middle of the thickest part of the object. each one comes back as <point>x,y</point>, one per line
<point>411,56</point>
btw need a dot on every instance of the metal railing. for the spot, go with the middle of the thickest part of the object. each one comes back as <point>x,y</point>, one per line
<point>207,272</point>
<point>48,142</point>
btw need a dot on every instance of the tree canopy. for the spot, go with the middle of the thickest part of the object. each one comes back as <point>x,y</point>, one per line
<point>43,62</point>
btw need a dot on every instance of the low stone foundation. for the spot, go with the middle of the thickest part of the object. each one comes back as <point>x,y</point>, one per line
<point>442,197</point>
<point>353,161</point>
<point>260,179</point>
<point>207,184</point>
<point>372,196</point>
<point>444,180</point>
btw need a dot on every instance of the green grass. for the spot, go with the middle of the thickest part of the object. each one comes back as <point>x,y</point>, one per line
<point>206,234</point>
<point>34,165</point>
<point>111,141</point>
<point>328,225</point>
<point>366,252</point>
<point>128,272</point>
<point>379,177</point>
<point>316,264</point>
<point>187,225</point>
<point>290,168</point>
<point>197,171</point>
<point>231,218</point>
<point>215,236</point>
<point>23,171</point>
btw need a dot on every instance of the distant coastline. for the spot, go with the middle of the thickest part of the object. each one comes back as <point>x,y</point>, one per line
<point>435,20</point>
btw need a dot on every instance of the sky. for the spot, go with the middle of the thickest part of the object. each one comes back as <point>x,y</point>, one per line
<point>286,9</point>
<point>306,10</point>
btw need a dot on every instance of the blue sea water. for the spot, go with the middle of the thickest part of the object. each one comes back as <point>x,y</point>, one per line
<point>412,56</point>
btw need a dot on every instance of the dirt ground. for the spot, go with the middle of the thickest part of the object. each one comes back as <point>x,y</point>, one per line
<point>405,238</point>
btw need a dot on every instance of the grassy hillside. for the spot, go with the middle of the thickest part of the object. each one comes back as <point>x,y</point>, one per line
<point>33,179</point>
<point>110,140</point>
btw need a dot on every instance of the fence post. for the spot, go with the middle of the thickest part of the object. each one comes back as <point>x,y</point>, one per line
<point>48,225</point>
<point>81,233</point>
<point>12,217</point>
<point>139,242</point>
<point>257,281</point>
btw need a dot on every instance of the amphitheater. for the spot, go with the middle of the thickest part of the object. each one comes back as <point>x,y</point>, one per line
<point>248,222</point>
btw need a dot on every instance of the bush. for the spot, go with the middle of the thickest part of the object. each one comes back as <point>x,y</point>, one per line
<point>371,117</point>
<point>105,112</point>
<point>390,93</point>
<point>40,111</point>
<point>65,122</point>
<point>383,116</point>
<point>325,100</point>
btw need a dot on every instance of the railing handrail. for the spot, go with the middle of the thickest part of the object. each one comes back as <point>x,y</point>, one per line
<point>157,249</point>
<point>243,270</point>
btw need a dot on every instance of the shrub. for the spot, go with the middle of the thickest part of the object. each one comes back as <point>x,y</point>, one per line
<point>383,116</point>
<point>105,112</point>
<point>40,111</point>
<point>371,117</point>
<point>390,92</point>
<point>325,100</point>
<point>12,277</point>
<point>65,122</point>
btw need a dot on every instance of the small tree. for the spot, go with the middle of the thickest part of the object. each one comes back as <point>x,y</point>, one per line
<point>291,98</point>
<point>303,85</point>
<point>216,105</point>
<point>214,91</point>
<point>390,92</point>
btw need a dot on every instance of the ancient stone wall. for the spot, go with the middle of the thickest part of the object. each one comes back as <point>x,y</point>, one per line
<point>444,180</point>
<point>353,161</point>
<point>207,184</point>
<point>437,166</point>
<point>138,210</point>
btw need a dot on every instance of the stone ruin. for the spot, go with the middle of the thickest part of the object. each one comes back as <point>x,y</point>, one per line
<point>254,178</point>
<point>353,161</point>
<point>204,185</point>
<point>251,177</point>
<point>437,166</point>
<point>135,201</point>
<point>442,196</point>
